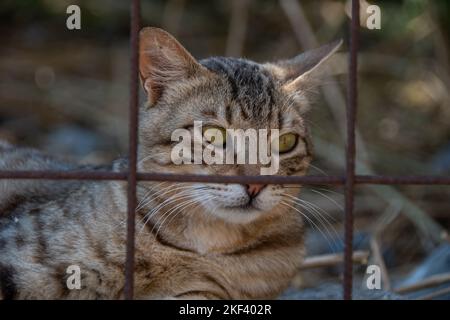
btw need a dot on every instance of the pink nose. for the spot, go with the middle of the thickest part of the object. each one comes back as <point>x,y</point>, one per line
<point>254,189</point>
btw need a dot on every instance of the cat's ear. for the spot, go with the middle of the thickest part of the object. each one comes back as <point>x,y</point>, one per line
<point>298,72</point>
<point>162,61</point>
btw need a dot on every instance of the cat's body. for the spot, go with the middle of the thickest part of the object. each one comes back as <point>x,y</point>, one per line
<point>192,240</point>
<point>83,224</point>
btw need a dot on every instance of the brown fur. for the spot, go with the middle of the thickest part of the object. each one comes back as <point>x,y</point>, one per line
<point>181,252</point>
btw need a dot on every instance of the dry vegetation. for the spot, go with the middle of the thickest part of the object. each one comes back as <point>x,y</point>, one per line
<point>66,92</point>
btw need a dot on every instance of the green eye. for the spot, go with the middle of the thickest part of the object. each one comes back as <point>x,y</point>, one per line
<point>215,135</point>
<point>287,142</point>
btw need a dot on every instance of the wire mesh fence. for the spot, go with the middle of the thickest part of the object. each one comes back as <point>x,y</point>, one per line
<point>349,180</point>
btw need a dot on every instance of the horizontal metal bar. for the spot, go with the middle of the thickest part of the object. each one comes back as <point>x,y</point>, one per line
<point>411,180</point>
<point>105,175</point>
<point>243,179</point>
<point>64,175</point>
<point>326,180</point>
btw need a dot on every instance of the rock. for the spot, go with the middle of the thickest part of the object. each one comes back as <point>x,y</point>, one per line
<point>437,262</point>
<point>333,291</point>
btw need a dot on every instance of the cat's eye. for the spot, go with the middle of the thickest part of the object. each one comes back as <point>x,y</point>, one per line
<point>215,135</point>
<point>287,142</point>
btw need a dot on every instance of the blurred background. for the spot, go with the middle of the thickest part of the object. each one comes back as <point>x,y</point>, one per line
<point>66,92</point>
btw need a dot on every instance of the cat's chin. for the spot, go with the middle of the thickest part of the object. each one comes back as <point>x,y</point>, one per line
<point>237,214</point>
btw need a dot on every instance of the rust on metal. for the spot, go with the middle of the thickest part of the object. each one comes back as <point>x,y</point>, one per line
<point>143,176</point>
<point>133,142</point>
<point>350,150</point>
<point>349,180</point>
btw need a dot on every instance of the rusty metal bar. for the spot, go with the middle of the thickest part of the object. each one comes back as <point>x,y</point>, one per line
<point>313,180</point>
<point>63,175</point>
<point>307,180</point>
<point>402,180</point>
<point>132,176</point>
<point>107,175</point>
<point>133,142</point>
<point>350,151</point>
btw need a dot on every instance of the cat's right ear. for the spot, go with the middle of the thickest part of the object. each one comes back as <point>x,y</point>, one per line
<point>162,61</point>
<point>307,65</point>
<point>301,75</point>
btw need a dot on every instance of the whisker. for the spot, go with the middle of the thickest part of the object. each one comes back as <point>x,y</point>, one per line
<point>331,199</point>
<point>323,222</point>
<point>177,210</point>
<point>321,219</point>
<point>311,222</point>
<point>328,190</point>
<point>312,206</point>
<point>168,201</point>
<point>148,199</point>
<point>166,215</point>
<point>147,194</point>
<point>187,213</point>
<point>318,169</point>
<point>166,190</point>
<point>172,199</point>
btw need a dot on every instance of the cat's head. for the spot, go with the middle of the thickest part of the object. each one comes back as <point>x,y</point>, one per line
<point>224,93</point>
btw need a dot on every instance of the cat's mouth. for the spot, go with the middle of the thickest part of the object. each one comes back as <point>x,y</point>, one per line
<point>240,212</point>
<point>244,207</point>
<point>248,206</point>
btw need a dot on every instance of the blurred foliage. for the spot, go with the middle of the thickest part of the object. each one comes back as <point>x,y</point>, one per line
<point>404,66</point>
<point>66,92</point>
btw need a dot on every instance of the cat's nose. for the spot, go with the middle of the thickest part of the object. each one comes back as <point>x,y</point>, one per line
<point>254,189</point>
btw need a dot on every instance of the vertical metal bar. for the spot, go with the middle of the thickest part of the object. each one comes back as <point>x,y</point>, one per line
<point>133,136</point>
<point>350,150</point>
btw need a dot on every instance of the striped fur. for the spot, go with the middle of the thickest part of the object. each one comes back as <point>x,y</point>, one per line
<point>207,249</point>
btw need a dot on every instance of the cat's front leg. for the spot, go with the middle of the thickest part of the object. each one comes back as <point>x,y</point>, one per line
<point>194,295</point>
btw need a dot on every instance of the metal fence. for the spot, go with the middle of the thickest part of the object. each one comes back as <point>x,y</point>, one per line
<point>349,180</point>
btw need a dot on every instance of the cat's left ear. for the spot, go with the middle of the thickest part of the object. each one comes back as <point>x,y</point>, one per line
<point>163,61</point>
<point>297,73</point>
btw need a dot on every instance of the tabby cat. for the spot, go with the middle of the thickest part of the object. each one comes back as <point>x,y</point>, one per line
<point>193,240</point>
